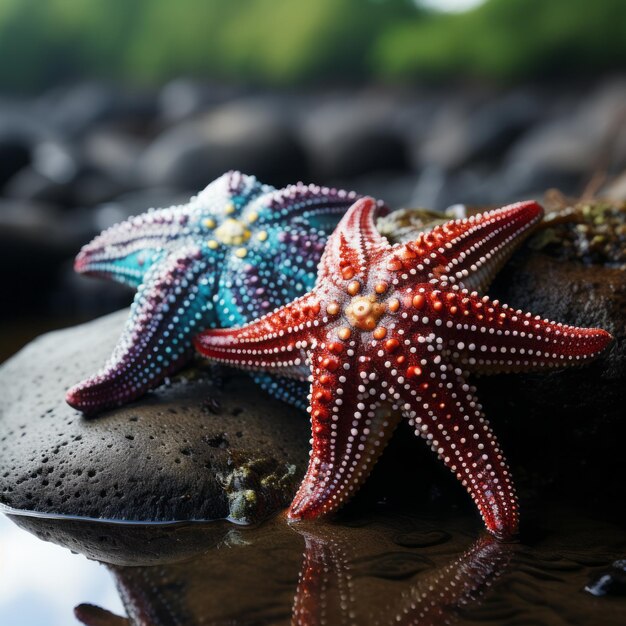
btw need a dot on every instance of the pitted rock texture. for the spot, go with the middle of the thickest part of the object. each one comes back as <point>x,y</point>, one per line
<point>205,446</point>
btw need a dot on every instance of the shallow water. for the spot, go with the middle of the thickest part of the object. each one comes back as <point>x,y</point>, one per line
<point>40,583</point>
<point>384,567</point>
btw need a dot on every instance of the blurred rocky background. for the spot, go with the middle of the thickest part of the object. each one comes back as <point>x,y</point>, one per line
<point>110,107</point>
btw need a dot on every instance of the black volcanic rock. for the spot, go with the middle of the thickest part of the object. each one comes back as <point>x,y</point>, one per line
<point>75,110</point>
<point>14,155</point>
<point>465,132</point>
<point>251,136</point>
<point>351,137</point>
<point>566,428</point>
<point>199,448</point>
<point>35,239</point>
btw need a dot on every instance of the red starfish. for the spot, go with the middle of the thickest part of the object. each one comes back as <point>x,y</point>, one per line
<point>399,328</point>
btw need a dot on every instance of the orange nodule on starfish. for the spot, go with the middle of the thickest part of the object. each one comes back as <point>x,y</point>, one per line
<point>399,330</point>
<point>344,333</point>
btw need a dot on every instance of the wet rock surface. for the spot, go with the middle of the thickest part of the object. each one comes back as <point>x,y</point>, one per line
<point>567,427</point>
<point>202,447</point>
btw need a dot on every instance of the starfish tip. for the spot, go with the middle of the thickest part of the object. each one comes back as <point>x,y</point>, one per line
<point>529,212</point>
<point>604,338</point>
<point>305,506</point>
<point>199,341</point>
<point>76,398</point>
<point>299,512</point>
<point>84,397</point>
<point>366,203</point>
<point>81,262</point>
<point>507,534</point>
<point>531,206</point>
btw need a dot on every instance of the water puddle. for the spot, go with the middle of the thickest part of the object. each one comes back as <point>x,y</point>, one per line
<point>380,568</point>
<point>41,583</point>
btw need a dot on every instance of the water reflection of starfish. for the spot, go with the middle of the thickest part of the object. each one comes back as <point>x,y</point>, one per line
<point>327,585</point>
<point>233,253</point>
<point>399,328</point>
<point>347,576</point>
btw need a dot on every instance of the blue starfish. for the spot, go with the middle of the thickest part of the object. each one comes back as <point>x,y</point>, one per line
<point>235,252</point>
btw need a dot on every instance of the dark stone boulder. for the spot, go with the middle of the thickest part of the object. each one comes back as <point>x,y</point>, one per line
<point>35,238</point>
<point>184,97</point>
<point>201,447</point>
<point>27,142</point>
<point>251,136</point>
<point>566,428</point>
<point>86,188</point>
<point>586,136</point>
<point>113,151</point>
<point>355,136</point>
<point>14,155</point>
<point>465,132</point>
<point>76,109</point>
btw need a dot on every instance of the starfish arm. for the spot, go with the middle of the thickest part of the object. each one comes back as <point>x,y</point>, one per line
<point>271,273</point>
<point>288,390</point>
<point>444,411</point>
<point>92,615</point>
<point>276,342</point>
<point>126,251</point>
<point>320,207</point>
<point>469,251</point>
<point>298,255</point>
<point>350,428</point>
<point>173,303</point>
<point>354,246</point>
<point>487,337</point>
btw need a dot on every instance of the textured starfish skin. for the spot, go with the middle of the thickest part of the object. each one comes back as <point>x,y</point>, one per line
<point>392,332</point>
<point>236,251</point>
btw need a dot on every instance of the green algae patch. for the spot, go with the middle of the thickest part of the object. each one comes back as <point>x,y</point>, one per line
<point>258,487</point>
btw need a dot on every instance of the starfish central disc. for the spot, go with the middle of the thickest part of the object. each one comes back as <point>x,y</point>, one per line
<point>363,312</point>
<point>232,232</point>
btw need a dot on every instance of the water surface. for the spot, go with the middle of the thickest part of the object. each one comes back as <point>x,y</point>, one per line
<point>382,567</point>
<point>40,583</point>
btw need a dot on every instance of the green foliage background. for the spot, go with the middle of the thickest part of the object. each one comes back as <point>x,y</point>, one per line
<point>509,40</point>
<point>43,42</point>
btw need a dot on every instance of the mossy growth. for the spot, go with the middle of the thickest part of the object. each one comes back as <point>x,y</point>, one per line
<point>258,486</point>
<point>590,231</point>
